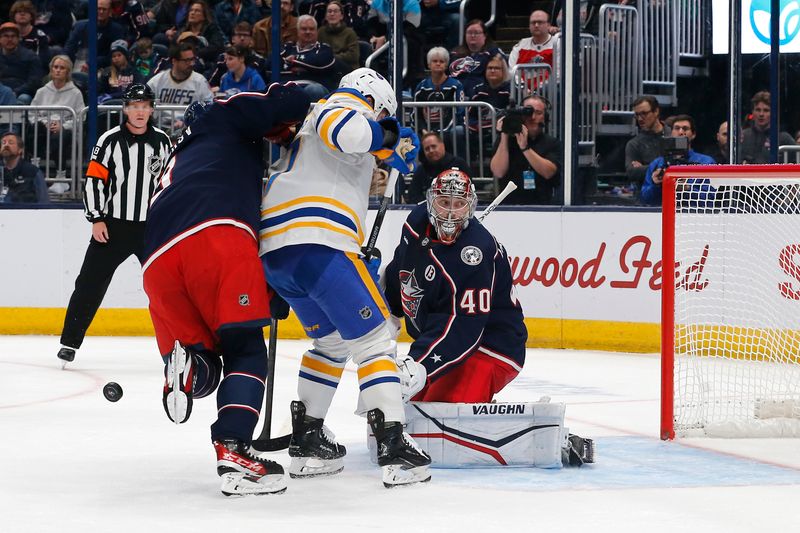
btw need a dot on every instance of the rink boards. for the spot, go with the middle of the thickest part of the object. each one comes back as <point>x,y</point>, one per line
<point>585,279</point>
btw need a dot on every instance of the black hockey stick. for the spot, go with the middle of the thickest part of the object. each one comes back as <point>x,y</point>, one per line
<point>264,443</point>
<point>369,250</point>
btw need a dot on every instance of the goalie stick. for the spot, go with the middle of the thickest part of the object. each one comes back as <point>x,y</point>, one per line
<point>264,443</point>
<point>510,187</point>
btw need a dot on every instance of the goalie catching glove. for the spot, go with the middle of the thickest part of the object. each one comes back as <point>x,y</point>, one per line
<point>413,376</point>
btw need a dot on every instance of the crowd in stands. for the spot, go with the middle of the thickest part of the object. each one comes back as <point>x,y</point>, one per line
<point>189,50</point>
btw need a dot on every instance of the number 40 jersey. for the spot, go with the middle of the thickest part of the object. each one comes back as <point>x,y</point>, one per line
<point>455,298</point>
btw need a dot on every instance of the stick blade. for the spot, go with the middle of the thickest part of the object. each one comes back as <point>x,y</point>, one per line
<point>272,445</point>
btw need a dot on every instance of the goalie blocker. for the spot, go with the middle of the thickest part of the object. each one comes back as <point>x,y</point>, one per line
<point>469,435</point>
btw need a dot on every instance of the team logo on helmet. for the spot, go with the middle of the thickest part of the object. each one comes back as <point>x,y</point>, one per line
<point>410,293</point>
<point>471,255</point>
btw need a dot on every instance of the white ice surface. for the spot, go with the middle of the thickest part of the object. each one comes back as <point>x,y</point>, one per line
<point>71,461</point>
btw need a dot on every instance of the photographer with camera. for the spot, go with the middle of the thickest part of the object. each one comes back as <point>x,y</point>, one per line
<point>526,155</point>
<point>676,150</point>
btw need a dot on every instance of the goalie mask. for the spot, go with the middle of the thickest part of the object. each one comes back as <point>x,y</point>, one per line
<point>451,203</point>
<point>373,85</point>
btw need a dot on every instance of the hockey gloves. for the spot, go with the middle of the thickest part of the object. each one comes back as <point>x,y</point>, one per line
<point>372,258</point>
<point>278,307</point>
<point>413,376</point>
<point>400,147</point>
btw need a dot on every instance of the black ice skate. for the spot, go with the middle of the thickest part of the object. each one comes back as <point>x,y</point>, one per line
<point>313,450</point>
<point>179,384</point>
<point>243,473</point>
<point>403,462</point>
<point>66,354</point>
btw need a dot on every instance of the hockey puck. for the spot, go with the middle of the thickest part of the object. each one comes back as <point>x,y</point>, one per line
<point>112,391</point>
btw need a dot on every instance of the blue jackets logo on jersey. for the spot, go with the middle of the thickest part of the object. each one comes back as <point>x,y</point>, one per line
<point>410,293</point>
<point>471,255</point>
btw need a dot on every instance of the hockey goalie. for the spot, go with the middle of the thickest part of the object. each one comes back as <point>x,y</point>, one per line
<point>451,281</point>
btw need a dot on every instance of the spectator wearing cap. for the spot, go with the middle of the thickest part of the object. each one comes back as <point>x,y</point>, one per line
<point>56,127</point>
<point>115,79</point>
<point>108,31</point>
<point>231,12</point>
<point>21,68</point>
<point>262,31</point>
<point>200,22</point>
<point>54,18</point>
<point>240,77</point>
<point>23,14</point>
<point>338,36</point>
<point>20,181</point>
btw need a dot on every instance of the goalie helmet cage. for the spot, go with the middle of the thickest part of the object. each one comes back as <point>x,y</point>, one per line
<point>730,336</point>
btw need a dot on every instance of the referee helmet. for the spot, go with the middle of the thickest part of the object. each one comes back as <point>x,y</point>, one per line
<point>139,92</point>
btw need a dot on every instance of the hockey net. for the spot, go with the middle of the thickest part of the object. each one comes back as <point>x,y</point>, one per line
<point>731,301</point>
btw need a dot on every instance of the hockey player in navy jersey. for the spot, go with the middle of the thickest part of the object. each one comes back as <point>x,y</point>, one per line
<point>314,212</point>
<point>208,296</point>
<point>452,282</point>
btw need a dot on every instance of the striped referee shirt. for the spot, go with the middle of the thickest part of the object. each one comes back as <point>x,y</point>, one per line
<point>122,173</point>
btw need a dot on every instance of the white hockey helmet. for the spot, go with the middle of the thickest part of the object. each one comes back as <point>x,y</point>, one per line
<point>373,85</point>
<point>451,201</point>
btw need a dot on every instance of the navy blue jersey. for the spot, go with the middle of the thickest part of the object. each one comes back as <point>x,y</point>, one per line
<point>215,173</point>
<point>455,298</point>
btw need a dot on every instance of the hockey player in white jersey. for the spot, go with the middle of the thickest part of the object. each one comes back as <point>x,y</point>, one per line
<point>312,228</point>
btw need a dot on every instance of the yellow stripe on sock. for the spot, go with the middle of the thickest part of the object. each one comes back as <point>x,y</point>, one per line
<point>321,367</point>
<point>381,365</point>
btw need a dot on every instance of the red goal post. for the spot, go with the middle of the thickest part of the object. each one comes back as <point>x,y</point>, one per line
<point>730,337</point>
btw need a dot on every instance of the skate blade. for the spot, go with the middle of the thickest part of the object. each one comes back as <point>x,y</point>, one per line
<point>177,406</point>
<point>64,364</point>
<point>306,467</point>
<point>240,484</point>
<point>397,476</point>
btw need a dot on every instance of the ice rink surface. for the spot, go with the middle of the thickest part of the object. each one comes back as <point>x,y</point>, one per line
<point>72,461</point>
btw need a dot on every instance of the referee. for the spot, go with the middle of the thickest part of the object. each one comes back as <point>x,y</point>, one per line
<point>121,177</point>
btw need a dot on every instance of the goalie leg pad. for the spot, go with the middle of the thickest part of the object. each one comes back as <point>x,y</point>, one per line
<point>488,434</point>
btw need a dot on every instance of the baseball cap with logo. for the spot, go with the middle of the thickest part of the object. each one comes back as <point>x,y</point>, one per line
<point>9,26</point>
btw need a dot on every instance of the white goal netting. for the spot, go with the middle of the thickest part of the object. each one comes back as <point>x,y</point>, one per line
<point>737,306</point>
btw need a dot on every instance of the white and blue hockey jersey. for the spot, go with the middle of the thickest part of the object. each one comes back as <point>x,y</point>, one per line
<point>319,192</point>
